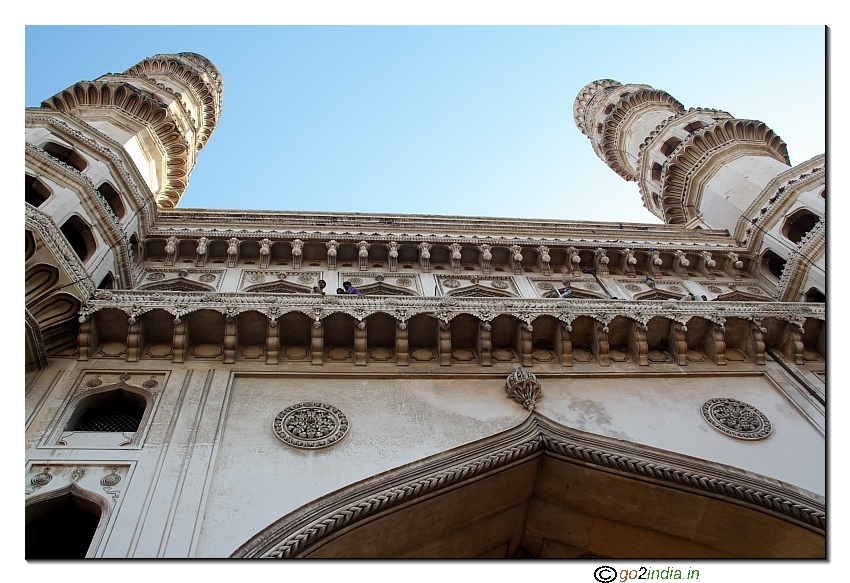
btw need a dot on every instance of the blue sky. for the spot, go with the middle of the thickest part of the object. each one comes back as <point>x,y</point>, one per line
<point>450,120</point>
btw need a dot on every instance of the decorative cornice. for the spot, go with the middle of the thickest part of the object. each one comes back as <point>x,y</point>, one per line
<point>811,247</point>
<point>298,533</point>
<point>65,256</point>
<point>635,102</point>
<point>677,200</point>
<point>136,302</point>
<point>776,198</point>
<point>145,107</point>
<point>197,72</point>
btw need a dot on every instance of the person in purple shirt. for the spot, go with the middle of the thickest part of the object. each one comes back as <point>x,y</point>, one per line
<point>350,289</point>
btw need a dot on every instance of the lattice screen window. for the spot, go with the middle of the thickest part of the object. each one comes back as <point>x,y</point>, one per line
<point>118,411</point>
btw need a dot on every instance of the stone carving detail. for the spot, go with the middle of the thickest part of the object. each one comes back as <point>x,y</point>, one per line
<point>632,287</point>
<point>355,281</point>
<point>500,284</point>
<point>202,251</point>
<point>674,288</point>
<point>392,255</point>
<point>95,382</point>
<point>591,286</point>
<point>256,278</point>
<point>573,261</point>
<point>332,246</point>
<point>543,259</point>
<point>451,283</point>
<point>232,252</point>
<point>600,261</point>
<point>305,278</point>
<point>425,256</point>
<point>170,250</point>
<point>77,473</point>
<point>736,418</point>
<point>207,277</point>
<point>522,386</point>
<point>486,257</point>
<point>310,425</point>
<point>404,281</point>
<point>516,259</point>
<point>363,255</point>
<point>714,289</point>
<point>266,253</point>
<point>156,276</point>
<point>455,257</point>
<point>41,479</point>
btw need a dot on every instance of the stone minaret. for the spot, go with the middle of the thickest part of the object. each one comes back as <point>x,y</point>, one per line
<point>162,111</point>
<point>704,168</point>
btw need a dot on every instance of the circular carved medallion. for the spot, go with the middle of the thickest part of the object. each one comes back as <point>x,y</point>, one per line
<point>451,283</point>
<point>305,278</point>
<point>754,290</point>
<point>355,281</point>
<point>256,278</point>
<point>310,425</point>
<point>500,284</point>
<point>736,418</point>
<point>156,276</point>
<point>207,277</point>
<point>714,289</point>
<point>545,285</point>
<point>591,286</point>
<point>674,288</point>
<point>403,281</point>
<point>632,287</point>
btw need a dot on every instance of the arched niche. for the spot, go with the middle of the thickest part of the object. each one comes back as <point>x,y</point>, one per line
<point>62,524</point>
<point>798,224</point>
<point>80,237</point>
<point>556,492</point>
<point>67,155</point>
<point>29,245</point>
<point>36,192</point>
<point>381,330</point>
<point>113,199</point>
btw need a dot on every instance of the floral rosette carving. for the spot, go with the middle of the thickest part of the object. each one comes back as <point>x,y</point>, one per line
<point>523,387</point>
<point>736,418</point>
<point>310,425</point>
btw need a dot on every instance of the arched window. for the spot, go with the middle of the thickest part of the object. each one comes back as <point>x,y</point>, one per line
<point>815,295</point>
<point>798,224</point>
<point>66,155</point>
<point>61,528</point>
<point>772,263</point>
<point>108,282</point>
<point>694,126</point>
<point>36,192</point>
<point>111,411</point>
<point>670,145</point>
<point>79,235</point>
<point>656,172</point>
<point>609,109</point>
<point>113,199</point>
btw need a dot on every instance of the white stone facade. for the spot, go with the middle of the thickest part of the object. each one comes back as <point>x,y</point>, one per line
<point>202,327</point>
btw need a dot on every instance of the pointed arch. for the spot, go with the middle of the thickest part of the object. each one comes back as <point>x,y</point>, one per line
<point>518,468</point>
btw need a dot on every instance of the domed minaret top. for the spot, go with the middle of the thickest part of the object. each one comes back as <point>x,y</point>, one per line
<point>161,110</point>
<point>685,161</point>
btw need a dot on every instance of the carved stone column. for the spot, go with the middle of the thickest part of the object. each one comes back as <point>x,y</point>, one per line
<point>266,253</point>
<point>202,252</point>
<point>455,257</point>
<point>444,344</point>
<point>523,344</point>
<point>485,344</point>
<point>516,259</point>
<point>181,339</point>
<point>317,342</point>
<point>544,259</point>
<point>638,345</point>
<point>230,339</point>
<point>332,246</point>
<point>360,345</point>
<point>297,253</point>
<point>600,344</point>
<point>363,255</point>
<point>677,343</point>
<point>486,257</point>
<point>232,252</point>
<point>392,256</point>
<point>564,344</point>
<point>425,257</point>
<point>402,346</point>
<point>272,342</point>
<point>135,340</point>
<point>573,262</point>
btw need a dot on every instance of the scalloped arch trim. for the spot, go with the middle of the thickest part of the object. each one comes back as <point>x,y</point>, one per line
<point>692,154</point>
